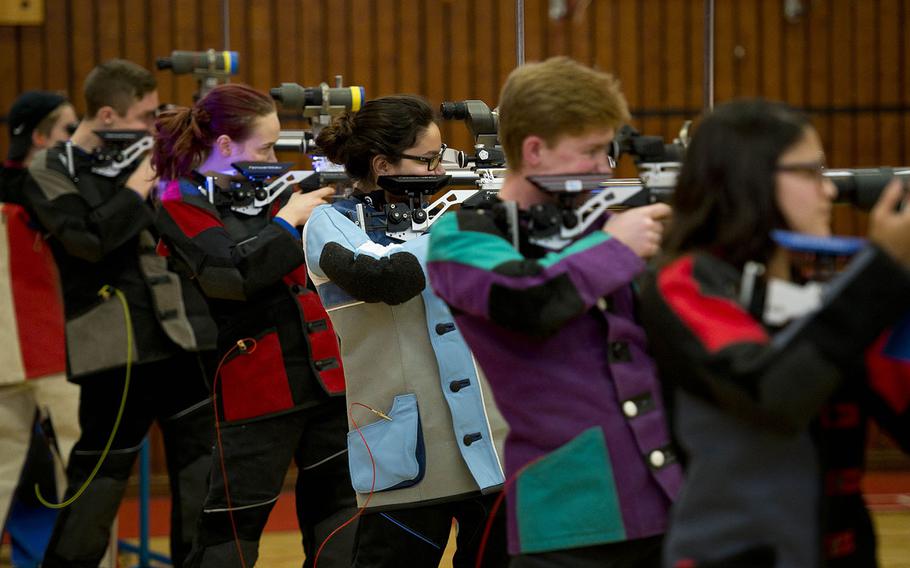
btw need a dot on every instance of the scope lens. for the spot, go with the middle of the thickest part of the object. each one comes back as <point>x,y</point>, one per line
<point>454,110</point>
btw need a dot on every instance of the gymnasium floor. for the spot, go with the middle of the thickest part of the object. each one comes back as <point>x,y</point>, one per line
<point>888,495</point>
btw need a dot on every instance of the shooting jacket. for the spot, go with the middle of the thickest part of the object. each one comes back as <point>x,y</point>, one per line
<point>251,270</point>
<point>588,453</point>
<point>101,235</point>
<point>31,303</point>
<point>403,356</point>
<point>772,421</point>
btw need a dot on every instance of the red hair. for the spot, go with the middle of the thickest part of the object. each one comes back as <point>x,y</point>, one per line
<point>184,136</point>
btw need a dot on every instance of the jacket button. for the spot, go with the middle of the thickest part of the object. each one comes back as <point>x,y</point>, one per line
<point>456,386</point>
<point>471,438</point>
<point>444,328</point>
<point>602,304</point>
<point>630,409</point>
<point>297,289</point>
<point>619,352</point>
<point>657,458</point>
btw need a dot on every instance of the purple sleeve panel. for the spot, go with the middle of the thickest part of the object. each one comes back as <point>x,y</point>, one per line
<point>603,269</point>
<point>595,272</point>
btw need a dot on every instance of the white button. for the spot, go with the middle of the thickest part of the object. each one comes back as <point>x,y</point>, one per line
<point>657,458</point>
<point>602,304</point>
<point>629,408</point>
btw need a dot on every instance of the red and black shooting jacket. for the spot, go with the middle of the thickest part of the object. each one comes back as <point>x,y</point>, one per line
<point>251,270</point>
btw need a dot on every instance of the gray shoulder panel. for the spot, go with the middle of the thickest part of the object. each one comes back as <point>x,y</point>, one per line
<point>53,183</point>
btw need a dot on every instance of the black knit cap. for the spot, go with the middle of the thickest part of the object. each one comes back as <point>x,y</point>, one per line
<point>29,109</point>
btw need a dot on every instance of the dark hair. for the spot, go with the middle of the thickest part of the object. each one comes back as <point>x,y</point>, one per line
<point>724,200</point>
<point>386,126</point>
<point>184,136</point>
<point>117,83</point>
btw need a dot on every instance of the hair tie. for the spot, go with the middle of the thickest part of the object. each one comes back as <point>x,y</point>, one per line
<point>201,116</point>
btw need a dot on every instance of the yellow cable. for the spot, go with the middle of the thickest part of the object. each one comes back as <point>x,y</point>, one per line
<point>104,293</point>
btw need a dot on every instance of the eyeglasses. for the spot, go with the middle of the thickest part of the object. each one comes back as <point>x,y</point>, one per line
<point>432,162</point>
<point>816,170</point>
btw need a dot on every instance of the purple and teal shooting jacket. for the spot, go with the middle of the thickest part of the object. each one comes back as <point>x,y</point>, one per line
<point>588,454</point>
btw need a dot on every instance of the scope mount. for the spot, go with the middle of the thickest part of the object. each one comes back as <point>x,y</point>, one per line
<point>407,221</point>
<point>558,224</point>
<point>119,149</point>
<point>250,193</point>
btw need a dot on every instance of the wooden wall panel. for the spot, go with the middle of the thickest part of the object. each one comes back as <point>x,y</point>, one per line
<point>82,52</point>
<point>361,46</point>
<point>32,69</point>
<point>9,67</point>
<point>865,22</point>
<point>770,38</point>
<point>57,71</point>
<point>841,138</point>
<point>903,49</point>
<point>437,53</point>
<point>724,45</point>
<point>891,69</point>
<point>675,65</point>
<point>136,31</point>
<point>695,46</point>
<point>486,75</point>
<point>287,38</point>
<point>843,61</point>
<point>107,26</point>
<point>794,61</point>
<point>652,67</point>
<point>409,47</point>
<point>385,47</point>
<point>748,48</point>
<point>185,26</point>
<point>336,40</point>
<point>818,73</point>
<point>626,31</point>
<point>311,46</point>
<point>162,44</point>
<point>505,35</point>
<point>259,36</point>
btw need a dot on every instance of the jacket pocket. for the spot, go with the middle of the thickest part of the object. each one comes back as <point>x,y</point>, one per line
<point>396,446</point>
<point>97,339</point>
<point>568,498</point>
<point>254,383</point>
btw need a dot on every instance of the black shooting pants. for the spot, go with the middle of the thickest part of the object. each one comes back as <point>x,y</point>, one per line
<point>172,392</point>
<point>416,537</point>
<point>257,455</point>
<point>639,553</point>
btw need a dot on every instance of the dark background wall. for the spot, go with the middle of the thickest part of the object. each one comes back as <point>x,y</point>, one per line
<point>845,62</point>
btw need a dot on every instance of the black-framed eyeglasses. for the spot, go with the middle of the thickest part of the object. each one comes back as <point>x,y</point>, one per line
<point>815,170</point>
<point>432,162</point>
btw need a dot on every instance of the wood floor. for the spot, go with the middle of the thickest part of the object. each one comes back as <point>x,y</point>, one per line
<point>282,549</point>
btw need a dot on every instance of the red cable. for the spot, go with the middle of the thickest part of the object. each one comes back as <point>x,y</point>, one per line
<point>488,527</point>
<point>372,483</point>
<point>496,504</point>
<point>242,345</point>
